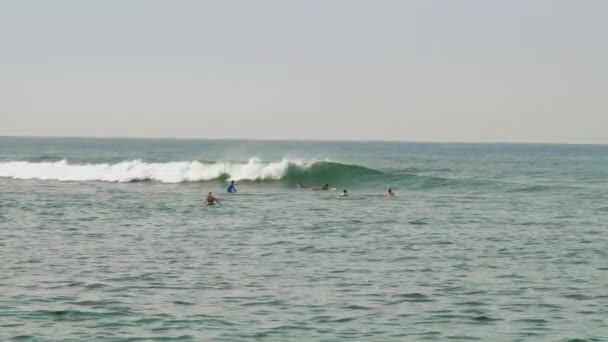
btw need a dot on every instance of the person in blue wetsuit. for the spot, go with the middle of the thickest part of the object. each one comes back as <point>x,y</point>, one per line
<point>231,188</point>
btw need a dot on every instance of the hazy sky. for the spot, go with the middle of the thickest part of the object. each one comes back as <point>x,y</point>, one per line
<point>462,70</point>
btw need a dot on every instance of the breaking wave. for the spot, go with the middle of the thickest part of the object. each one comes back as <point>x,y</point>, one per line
<point>287,171</point>
<point>292,171</point>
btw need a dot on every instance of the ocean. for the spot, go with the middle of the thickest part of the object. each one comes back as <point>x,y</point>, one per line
<point>108,239</point>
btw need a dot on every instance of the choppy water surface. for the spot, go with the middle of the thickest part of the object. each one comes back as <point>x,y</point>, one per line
<point>483,242</point>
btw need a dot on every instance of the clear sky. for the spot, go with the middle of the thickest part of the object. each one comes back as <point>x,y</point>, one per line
<point>428,70</point>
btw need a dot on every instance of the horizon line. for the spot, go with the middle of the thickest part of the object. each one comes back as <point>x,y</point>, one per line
<point>305,140</point>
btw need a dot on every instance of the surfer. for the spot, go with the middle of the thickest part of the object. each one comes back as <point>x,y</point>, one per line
<point>390,192</point>
<point>325,187</point>
<point>211,200</point>
<point>344,193</point>
<point>231,188</point>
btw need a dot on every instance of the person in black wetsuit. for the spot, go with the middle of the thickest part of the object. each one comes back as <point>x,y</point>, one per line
<point>325,187</point>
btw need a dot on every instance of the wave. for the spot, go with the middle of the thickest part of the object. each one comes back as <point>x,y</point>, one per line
<point>286,172</point>
<point>292,171</point>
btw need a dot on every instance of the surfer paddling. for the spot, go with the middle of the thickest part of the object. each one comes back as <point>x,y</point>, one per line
<point>211,200</point>
<point>390,192</point>
<point>325,187</point>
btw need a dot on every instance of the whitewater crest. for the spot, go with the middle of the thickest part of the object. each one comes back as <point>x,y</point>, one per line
<point>137,170</point>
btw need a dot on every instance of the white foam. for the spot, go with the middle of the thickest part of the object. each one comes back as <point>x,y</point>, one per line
<point>136,170</point>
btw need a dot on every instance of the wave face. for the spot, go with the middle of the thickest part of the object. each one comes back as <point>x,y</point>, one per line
<point>291,171</point>
<point>286,172</point>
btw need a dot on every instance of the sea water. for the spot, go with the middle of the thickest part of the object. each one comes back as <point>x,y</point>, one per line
<point>108,239</point>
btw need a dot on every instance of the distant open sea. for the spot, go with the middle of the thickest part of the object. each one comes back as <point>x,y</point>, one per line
<point>107,239</point>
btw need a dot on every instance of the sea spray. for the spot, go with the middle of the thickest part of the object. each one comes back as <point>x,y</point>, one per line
<point>185,171</point>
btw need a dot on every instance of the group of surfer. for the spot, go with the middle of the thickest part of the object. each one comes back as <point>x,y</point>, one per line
<point>344,193</point>
<point>212,200</point>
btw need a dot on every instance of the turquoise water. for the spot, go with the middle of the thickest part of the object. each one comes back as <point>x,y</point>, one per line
<point>108,240</point>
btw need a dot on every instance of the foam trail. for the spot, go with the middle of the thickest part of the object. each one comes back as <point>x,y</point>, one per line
<point>136,170</point>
